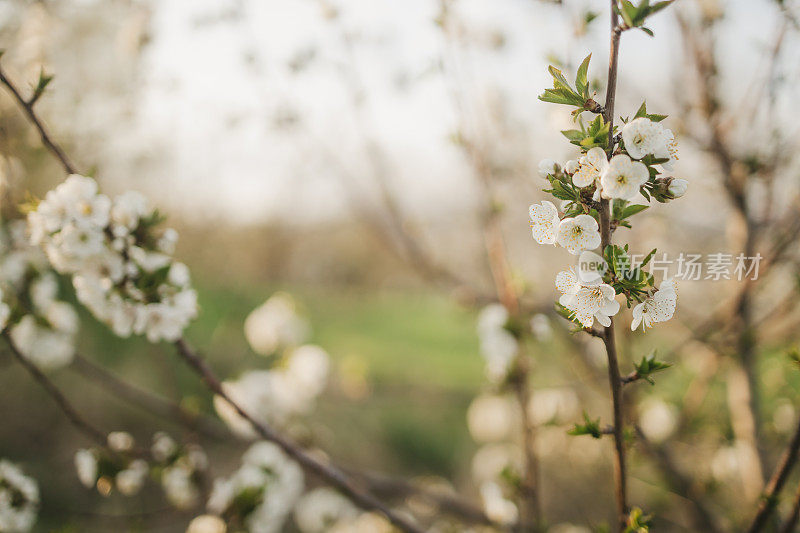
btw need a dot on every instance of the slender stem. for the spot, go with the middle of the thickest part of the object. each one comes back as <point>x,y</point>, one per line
<point>27,108</point>
<point>614,378</point>
<point>146,400</point>
<point>330,473</point>
<point>71,412</point>
<point>776,482</point>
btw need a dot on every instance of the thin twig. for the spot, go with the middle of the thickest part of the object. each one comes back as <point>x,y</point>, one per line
<point>776,482</point>
<point>146,400</point>
<point>614,378</point>
<point>27,108</point>
<point>71,412</point>
<point>328,472</point>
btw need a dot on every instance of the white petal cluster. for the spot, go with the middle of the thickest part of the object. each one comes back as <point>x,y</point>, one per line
<point>180,470</point>
<point>492,418</point>
<point>587,300</point>
<point>590,167</point>
<point>576,234</point>
<point>276,395</point>
<point>270,481</point>
<point>42,327</point>
<point>544,222</point>
<point>657,308</point>
<point>579,233</point>
<point>644,137</point>
<point>496,505</point>
<point>623,178</point>
<point>498,345</point>
<point>19,499</point>
<point>120,262</point>
<point>322,510</point>
<point>275,325</point>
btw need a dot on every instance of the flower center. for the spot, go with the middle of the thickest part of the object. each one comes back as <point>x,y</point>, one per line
<point>622,179</point>
<point>577,230</point>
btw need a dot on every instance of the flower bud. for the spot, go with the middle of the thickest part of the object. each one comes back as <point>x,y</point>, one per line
<point>547,167</point>
<point>571,167</point>
<point>678,187</point>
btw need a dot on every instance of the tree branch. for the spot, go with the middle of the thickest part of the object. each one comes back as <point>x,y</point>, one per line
<point>615,381</point>
<point>776,482</point>
<point>27,108</point>
<point>71,412</point>
<point>328,472</point>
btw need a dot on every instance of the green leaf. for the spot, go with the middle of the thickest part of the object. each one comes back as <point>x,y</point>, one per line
<point>589,427</point>
<point>650,365</point>
<point>573,135</point>
<point>631,210</point>
<point>581,82</point>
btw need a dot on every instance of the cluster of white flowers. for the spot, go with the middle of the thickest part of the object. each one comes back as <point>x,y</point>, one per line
<point>42,327</point>
<point>261,494</point>
<point>645,144</point>
<point>276,395</point>
<point>179,469</point>
<point>19,499</point>
<point>107,468</point>
<point>276,325</point>
<point>120,262</point>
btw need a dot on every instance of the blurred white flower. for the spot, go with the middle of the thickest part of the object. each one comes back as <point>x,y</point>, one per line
<point>498,345</point>
<point>497,506</point>
<point>120,441</point>
<point>179,487</point>
<point>207,523</point>
<point>658,419</point>
<point>490,460</point>
<point>323,509</point>
<point>541,328</point>
<point>275,325</point>
<point>164,447</point>
<point>130,480</point>
<point>492,418</point>
<point>559,405</point>
<point>46,348</point>
<point>19,499</point>
<point>86,466</point>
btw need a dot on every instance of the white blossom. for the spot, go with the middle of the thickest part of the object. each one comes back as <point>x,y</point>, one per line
<point>657,308</point>
<point>19,499</point>
<point>322,509</point>
<point>623,178</point>
<point>492,418</point>
<point>278,483</point>
<point>179,486</point>
<point>86,466</point>
<point>498,345</point>
<point>107,247</point>
<point>120,441</point>
<point>275,325</point>
<point>590,167</point>
<point>587,301</point>
<point>579,233</point>
<point>496,505</point>
<point>644,137</point>
<point>130,480</point>
<point>207,523</point>
<point>544,222</point>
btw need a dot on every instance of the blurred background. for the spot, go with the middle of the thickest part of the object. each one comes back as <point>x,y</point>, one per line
<point>375,160</point>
